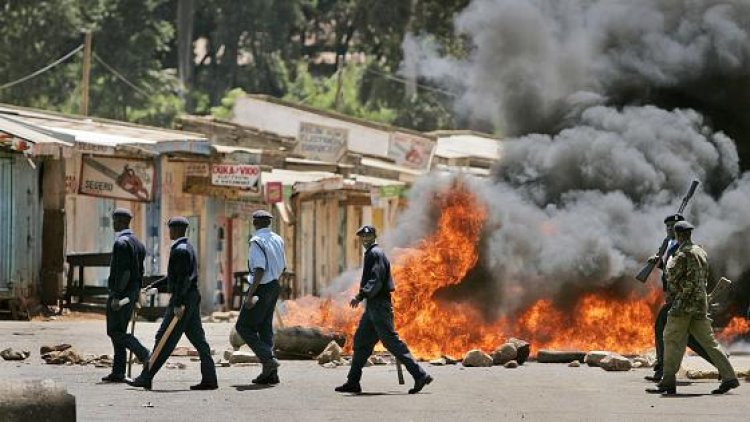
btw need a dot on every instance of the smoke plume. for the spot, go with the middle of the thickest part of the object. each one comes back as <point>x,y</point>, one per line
<point>614,107</point>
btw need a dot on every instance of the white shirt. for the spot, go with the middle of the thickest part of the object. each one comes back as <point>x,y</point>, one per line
<point>272,261</point>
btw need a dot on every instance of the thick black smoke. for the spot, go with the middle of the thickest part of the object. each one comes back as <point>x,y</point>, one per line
<point>615,107</point>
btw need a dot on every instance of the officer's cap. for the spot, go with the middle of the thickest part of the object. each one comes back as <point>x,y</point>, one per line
<point>262,214</point>
<point>178,221</point>
<point>122,212</point>
<point>674,218</point>
<point>683,226</point>
<point>367,229</point>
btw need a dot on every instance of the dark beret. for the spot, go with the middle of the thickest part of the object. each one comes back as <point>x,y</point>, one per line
<point>178,221</point>
<point>122,212</point>
<point>683,226</point>
<point>367,229</point>
<point>674,218</point>
<point>262,214</point>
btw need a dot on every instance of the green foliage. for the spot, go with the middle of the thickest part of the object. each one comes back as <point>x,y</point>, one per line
<point>224,111</point>
<point>288,48</point>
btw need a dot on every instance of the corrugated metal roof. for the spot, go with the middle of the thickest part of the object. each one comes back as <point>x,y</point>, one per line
<point>461,145</point>
<point>19,130</point>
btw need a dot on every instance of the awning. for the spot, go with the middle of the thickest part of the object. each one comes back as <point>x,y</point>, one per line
<point>43,143</point>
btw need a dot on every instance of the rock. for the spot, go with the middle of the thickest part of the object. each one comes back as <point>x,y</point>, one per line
<point>331,353</point>
<point>234,339</point>
<point>378,360</point>
<point>505,353</point>
<point>54,348</point>
<point>438,362</point>
<point>558,356</point>
<point>477,358</point>
<point>221,316</point>
<point>45,400</point>
<point>511,364</point>
<point>523,349</point>
<point>615,362</point>
<point>574,364</point>
<point>329,365</point>
<point>637,364</point>
<point>450,360</point>
<point>10,354</point>
<point>239,356</point>
<point>646,361</point>
<point>593,357</point>
<point>222,363</point>
<point>694,374</point>
<point>67,356</point>
<point>175,365</point>
<point>181,351</point>
<point>304,342</point>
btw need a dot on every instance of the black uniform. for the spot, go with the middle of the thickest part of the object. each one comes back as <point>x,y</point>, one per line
<point>377,321</point>
<point>128,254</point>
<point>182,283</point>
<point>661,322</point>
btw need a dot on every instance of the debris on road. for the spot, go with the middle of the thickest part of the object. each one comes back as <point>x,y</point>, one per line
<point>304,342</point>
<point>523,349</point>
<point>574,364</point>
<point>511,364</point>
<point>55,348</point>
<point>10,354</point>
<point>175,365</point>
<point>558,356</point>
<point>615,362</point>
<point>504,354</point>
<point>331,353</point>
<point>477,358</point>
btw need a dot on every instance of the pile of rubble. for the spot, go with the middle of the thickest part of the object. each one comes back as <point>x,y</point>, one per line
<point>65,354</point>
<point>510,354</point>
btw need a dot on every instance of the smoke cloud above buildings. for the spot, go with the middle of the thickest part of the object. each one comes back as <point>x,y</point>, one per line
<point>612,108</point>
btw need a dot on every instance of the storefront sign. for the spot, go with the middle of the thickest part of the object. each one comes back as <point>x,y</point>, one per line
<point>322,143</point>
<point>274,192</point>
<point>197,169</point>
<point>244,176</point>
<point>410,150</point>
<point>119,178</point>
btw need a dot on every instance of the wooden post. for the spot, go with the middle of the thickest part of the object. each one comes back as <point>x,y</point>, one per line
<point>86,73</point>
<point>339,81</point>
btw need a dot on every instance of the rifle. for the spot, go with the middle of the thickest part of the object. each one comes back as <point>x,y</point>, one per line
<point>643,274</point>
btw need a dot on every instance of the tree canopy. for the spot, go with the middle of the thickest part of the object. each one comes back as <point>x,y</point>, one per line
<point>342,55</point>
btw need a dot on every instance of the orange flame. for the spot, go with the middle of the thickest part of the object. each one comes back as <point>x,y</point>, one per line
<point>597,321</point>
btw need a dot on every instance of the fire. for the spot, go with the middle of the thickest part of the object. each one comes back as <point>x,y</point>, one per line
<point>597,321</point>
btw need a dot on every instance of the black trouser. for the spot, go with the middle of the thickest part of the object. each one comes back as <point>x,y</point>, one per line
<point>377,324</point>
<point>692,343</point>
<point>117,330</point>
<point>190,324</point>
<point>255,325</point>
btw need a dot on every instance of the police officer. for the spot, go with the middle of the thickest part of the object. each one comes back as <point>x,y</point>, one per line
<point>266,263</point>
<point>376,324</point>
<point>687,274</point>
<point>182,283</point>
<point>661,319</point>
<point>124,284</point>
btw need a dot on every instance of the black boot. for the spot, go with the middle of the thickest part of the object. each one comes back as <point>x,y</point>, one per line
<point>141,381</point>
<point>349,387</point>
<point>653,378</point>
<point>662,389</point>
<point>205,386</point>
<point>420,383</point>
<point>726,386</point>
<point>270,373</point>
<point>114,378</point>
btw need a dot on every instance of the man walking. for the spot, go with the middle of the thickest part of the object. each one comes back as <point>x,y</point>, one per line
<point>376,324</point>
<point>661,318</point>
<point>184,304</point>
<point>266,263</point>
<point>687,275</point>
<point>124,284</point>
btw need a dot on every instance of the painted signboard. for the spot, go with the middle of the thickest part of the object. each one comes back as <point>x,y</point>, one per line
<point>119,178</point>
<point>322,143</point>
<point>410,150</point>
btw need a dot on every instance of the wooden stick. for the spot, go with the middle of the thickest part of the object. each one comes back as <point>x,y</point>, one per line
<point>132,332</point>
<point>400,372</point>
<point>162,342</point>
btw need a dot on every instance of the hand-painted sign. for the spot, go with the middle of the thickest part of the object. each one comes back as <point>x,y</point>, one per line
<point>323,143</point>
<point>236,175</point>
<point>274,192</point>
<point>410,150</point>
<point>119,178</point>
<point>197,169</point>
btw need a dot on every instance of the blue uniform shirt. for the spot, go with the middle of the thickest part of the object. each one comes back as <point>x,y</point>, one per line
<point>267,252</point>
